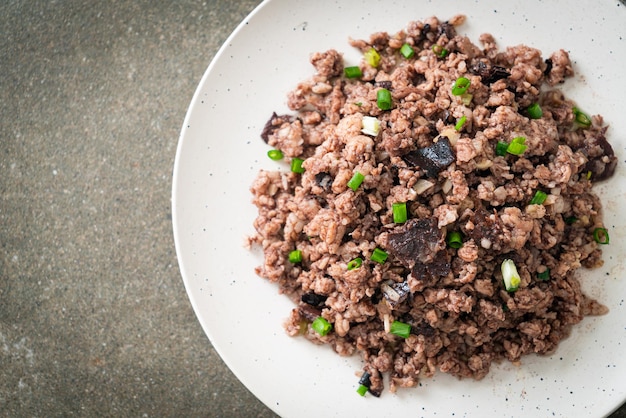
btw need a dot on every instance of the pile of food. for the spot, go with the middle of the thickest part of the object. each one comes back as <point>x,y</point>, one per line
<point>438,204</point>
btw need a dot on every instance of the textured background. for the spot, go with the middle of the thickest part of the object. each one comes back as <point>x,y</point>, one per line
<point>94,319</point>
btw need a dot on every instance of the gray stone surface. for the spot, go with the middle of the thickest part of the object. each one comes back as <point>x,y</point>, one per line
<point>94,319</point>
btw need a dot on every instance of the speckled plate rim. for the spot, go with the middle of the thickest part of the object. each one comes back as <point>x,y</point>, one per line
<point>219,154</point>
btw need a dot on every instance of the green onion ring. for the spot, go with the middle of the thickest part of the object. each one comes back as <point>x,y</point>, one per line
<point>460,86</point>
<point>601,236</point>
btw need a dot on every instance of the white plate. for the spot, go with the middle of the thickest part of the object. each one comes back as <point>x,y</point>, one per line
<point>220,152</point>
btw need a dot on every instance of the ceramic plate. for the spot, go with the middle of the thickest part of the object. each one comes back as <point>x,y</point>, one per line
<point>220,152</point>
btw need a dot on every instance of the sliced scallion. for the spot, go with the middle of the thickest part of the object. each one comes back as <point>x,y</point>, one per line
<point>539,198</point>
<point>544,275</point>
<point>372,57</point>
<point>510,276</point>
<point>454,239</point>
<point>407,51</point>
<point>501,147</point>
<point>517,146</point>
<point>295,256</point>
<point>371,125</point>
<point>321,326</point>
<point>534,111</point>
<point>460,86</point>
<point>275,154</point>
<point>356,180</point>
<point>400,329</point>
<point>383,99</point>
<point>296,165</point>
<point>581,118</point>
<point>460,123</point>
<point>439,51</point>
<point>601,236</point>
<point>355,263</point>
<point>379,256</point>
<point>364,384</point>
<point>466,98</point>
<point>399,212</point>
<point>352,72</point>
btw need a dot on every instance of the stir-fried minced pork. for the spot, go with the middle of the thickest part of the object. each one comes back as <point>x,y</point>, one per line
<point>504,164</point>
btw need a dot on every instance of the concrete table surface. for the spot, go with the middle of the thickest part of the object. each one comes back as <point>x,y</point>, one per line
<point>94,318</point>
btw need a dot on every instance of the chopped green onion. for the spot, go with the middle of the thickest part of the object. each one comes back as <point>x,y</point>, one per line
<point>510,276</point>
<point>539,198</point>
<point>460,86</point>
<point>460,123</point>
<point>570,220</point>
<point>295,256</point>
<point>581,118</point>
<point>296,165</point>
<point>601,235</point>
<point>364,384</point>
<point>455,239</point>
<point>355,264</point>
<point>362,390</point>
<point>399,212</point>
<point>588,175</point>
<point>321,326</point>
<point>407,51</point>
<point>439,51</point>
<point>371,125</point>
<point>383,99</point>
<point>544,275</point>
<point>516,149</point>
<point>501,148</point>
<point>517,146</point>
<point>400,329</point>
<point>356,180</point>
<point>352,72</point>
<point>534,111</point>
<point>466,98</point>
<point>275,154</point>
<point>379,256</point>
<point>372,57</point>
